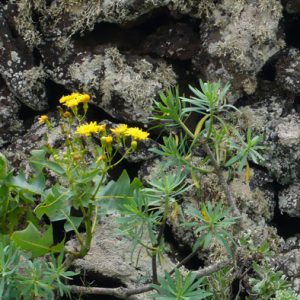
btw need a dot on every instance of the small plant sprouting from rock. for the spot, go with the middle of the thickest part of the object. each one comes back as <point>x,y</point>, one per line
<point>180,288</point>
<point>270,284</point>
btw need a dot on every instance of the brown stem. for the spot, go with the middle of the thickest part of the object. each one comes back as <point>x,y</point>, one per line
<point>126,293</point>
<point>154,269</point>
<point>213,268</point>
<point>221,178</point>
<point>120,292</point>
<point>185,260</point>
<point>159,237</point>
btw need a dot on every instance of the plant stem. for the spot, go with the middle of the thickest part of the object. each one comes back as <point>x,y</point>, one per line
<point>217,168</point>
<point>125,293</point>
<point>221,178</point>
<point>159,237</point>
<point>185,260</point>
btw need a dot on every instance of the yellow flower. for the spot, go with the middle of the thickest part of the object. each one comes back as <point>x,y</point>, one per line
<point>88,129</point>
<point>64,99</point>
<point>43,119</point>
<point>137,134</point>
<point>106,139</point>
<point>74,99</point>
<point>84,98</point>
<point>119,130</point>
<point>71,103</point>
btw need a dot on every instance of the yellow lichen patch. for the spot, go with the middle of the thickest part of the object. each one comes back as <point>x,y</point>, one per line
<point>88,129</point>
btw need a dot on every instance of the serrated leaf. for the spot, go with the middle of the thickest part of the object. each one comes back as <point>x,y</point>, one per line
<point>72,223</point>
<point>39,161</point>
<point>32,240</point>
<point>57,200</point>
<point>20,182</point>
<point>116,194</point>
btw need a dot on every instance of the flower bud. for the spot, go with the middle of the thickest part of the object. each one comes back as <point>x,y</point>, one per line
<point>3,166</point>
<point>106,140</point>
<point>76,157</point>
<point>133,145</point>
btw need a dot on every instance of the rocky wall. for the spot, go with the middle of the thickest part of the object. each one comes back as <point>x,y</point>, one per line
<point>123,53</point>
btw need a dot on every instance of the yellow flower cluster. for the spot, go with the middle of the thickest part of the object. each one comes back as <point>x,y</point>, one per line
<point>134,132</point>
<point>43,119</point>
<point>119,130</point>
<point>74,99</point>
<point>88,129</point>
<point>137,134</point>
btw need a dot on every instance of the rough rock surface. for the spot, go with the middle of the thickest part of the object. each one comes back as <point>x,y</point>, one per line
<point>284,154</point>
<point>289,263</point>
<point>288,71</point>
<point>238,38</point>
<point>10,124</point>
<point>20,147</point>
<point>289,200</point>
<point>23,76</point>
<point>110,259</point>
<point>124,53</point>
<point>124,88</point>
<point>274,116</point>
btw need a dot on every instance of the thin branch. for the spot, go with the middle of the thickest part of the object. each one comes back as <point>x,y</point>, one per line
<point>120,292</point>
<point>126,293</point>
<point>159,238</point>
<point>221,178</point>
<point>185,260</point>
<point>213,268</point>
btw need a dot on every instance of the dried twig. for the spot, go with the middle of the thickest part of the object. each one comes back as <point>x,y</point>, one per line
<point>126,293</point>
<point>213,268</point>
<point>120,292</point>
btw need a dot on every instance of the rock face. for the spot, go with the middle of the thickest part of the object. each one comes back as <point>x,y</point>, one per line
<point>289,200</point>
<point>23,76</point>
<point>238,38</point>
<point>289,263</point>
<point>123,53</point>
<point>235,39</point>
<point>288,71</point>
<point>10,124</point>
<point>110,260</point>
<point>124,88</point>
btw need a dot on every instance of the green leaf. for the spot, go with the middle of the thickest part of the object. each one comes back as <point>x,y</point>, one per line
<point>118,193</point>
<point>57,200</point>
<point>20,182</point>
<point>72,223</point>
<point>39,161</point>
<point>3,166</point>
<point>32,240</point>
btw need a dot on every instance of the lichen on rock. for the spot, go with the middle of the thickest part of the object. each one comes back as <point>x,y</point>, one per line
<point>124,87</point>
<point>238,40</point>
<point>289,200</point>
